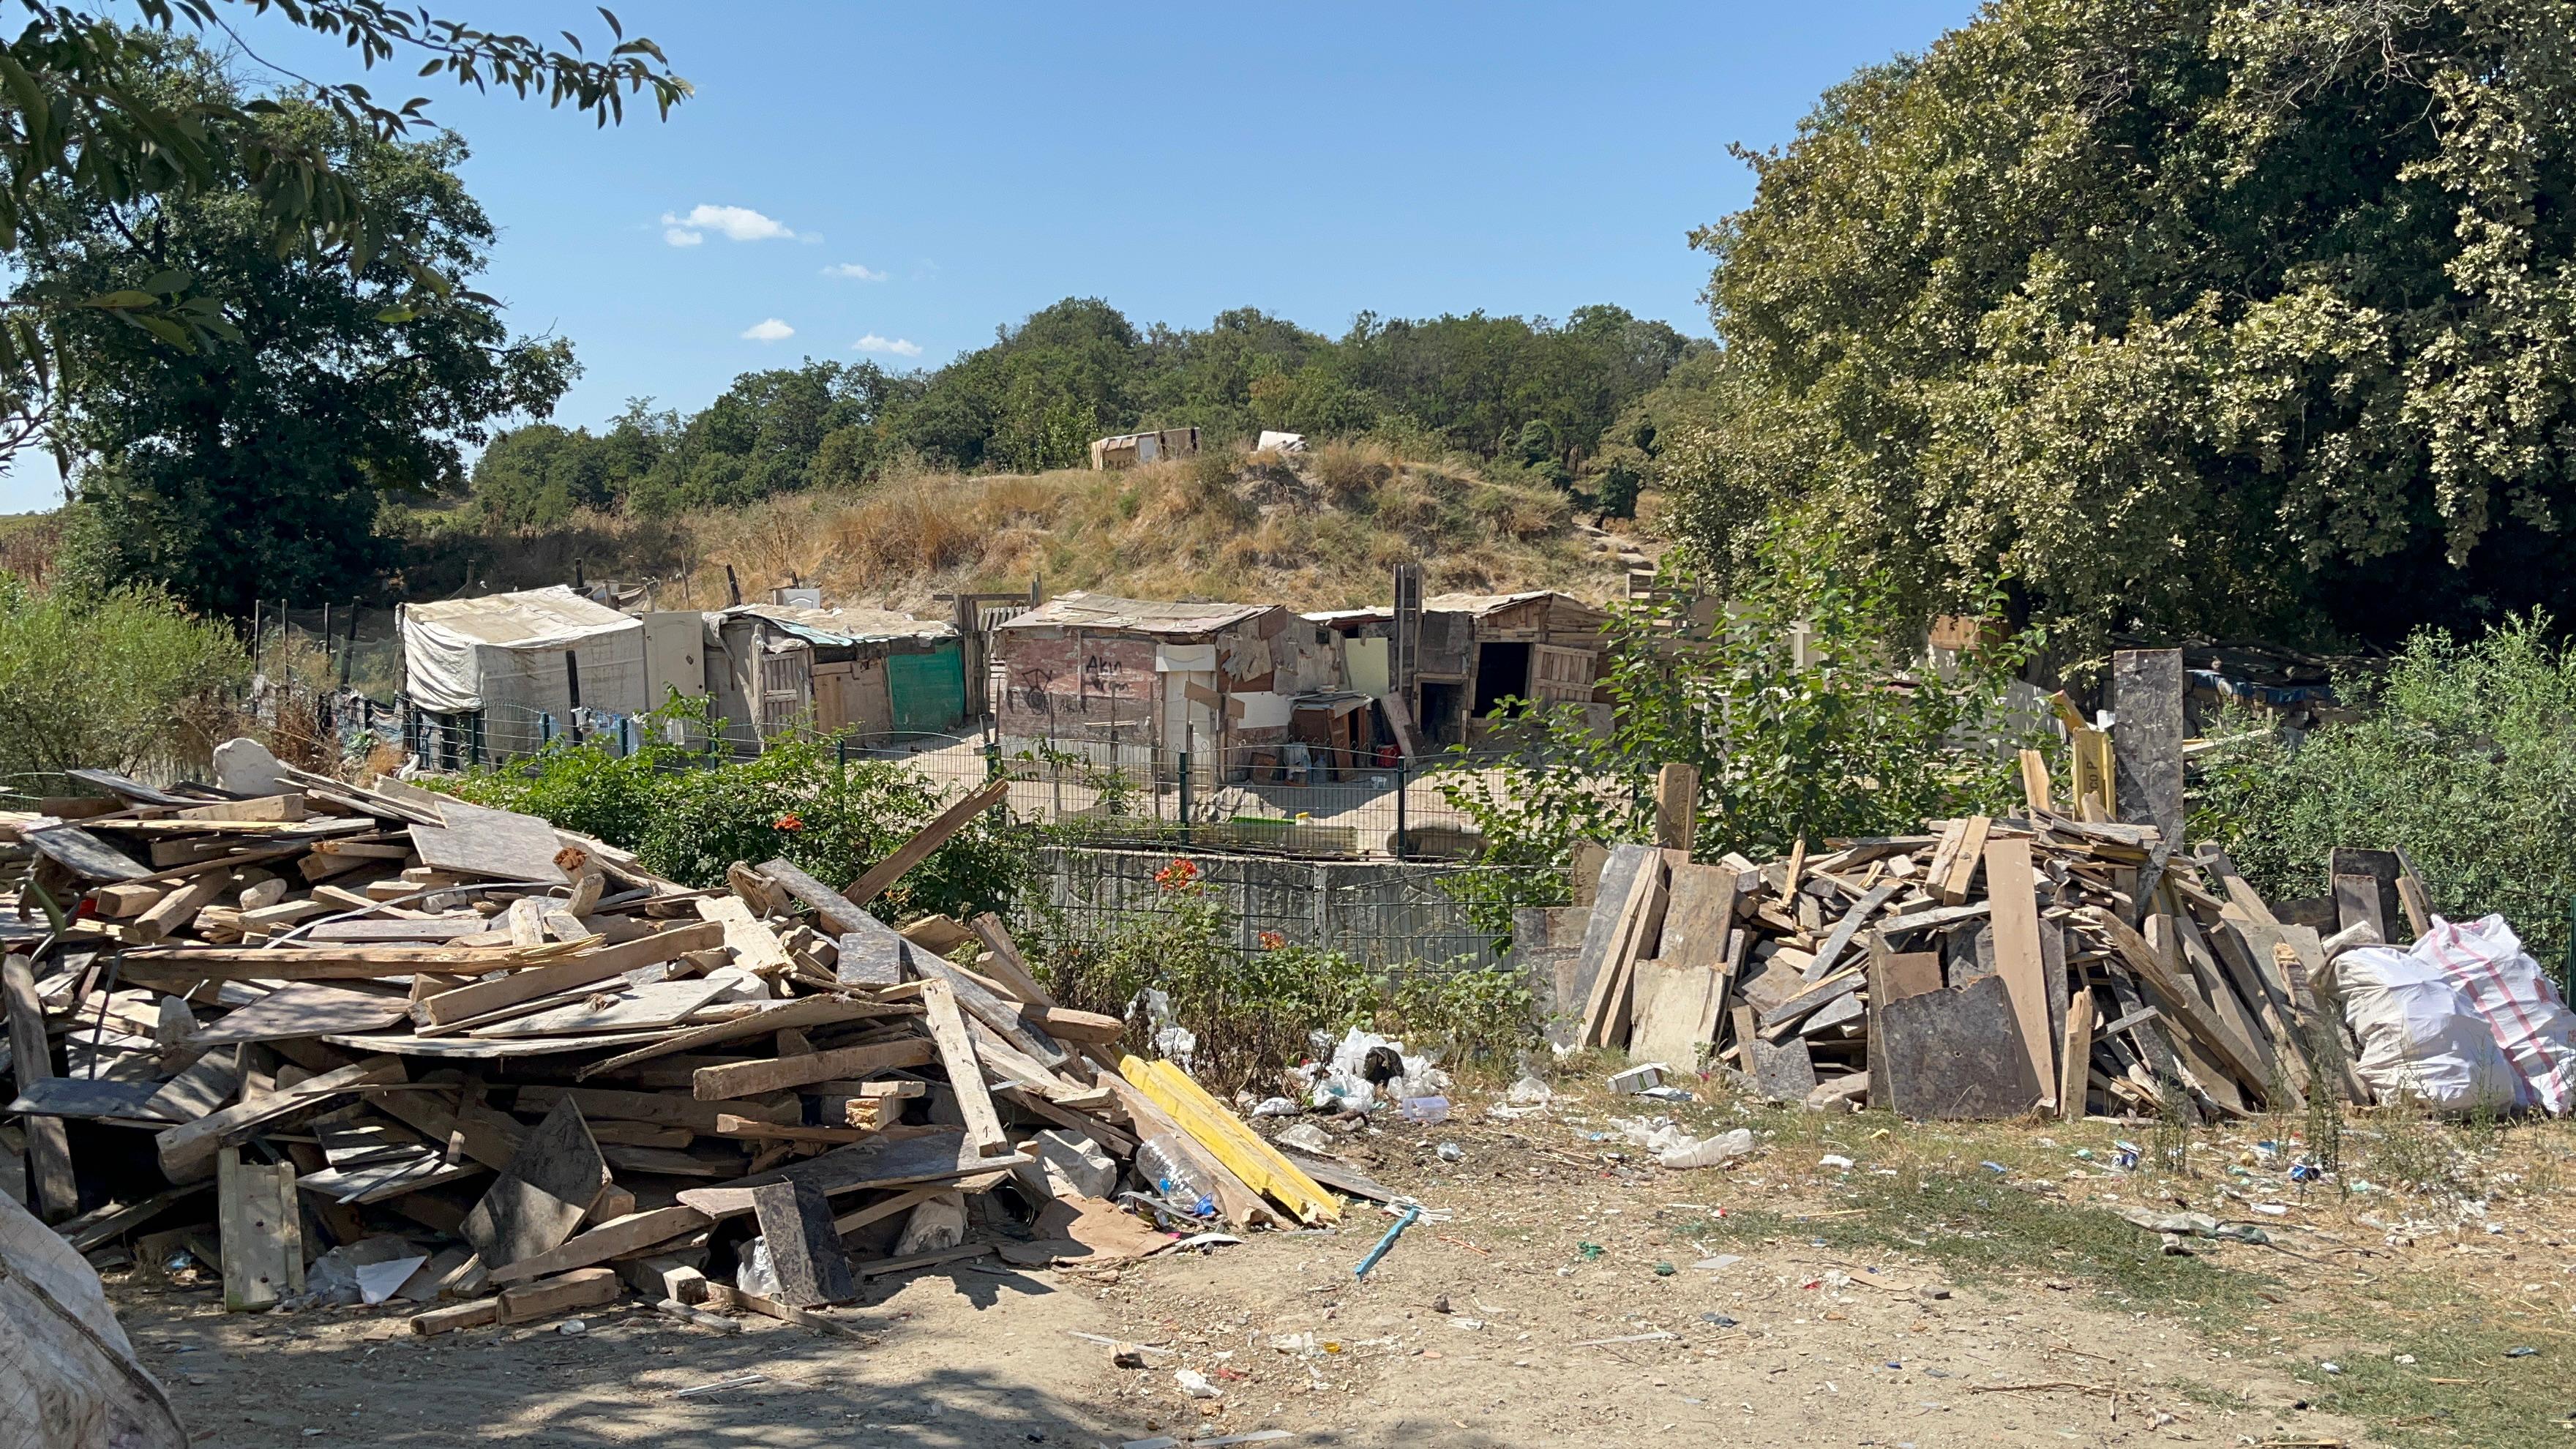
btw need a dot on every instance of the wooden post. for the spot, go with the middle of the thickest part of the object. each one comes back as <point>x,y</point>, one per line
<point>2034,783</point>
<point>49,1154</point>
<point>1676,806</point>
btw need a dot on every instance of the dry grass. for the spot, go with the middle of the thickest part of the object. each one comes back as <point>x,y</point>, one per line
<point>1317,532</point>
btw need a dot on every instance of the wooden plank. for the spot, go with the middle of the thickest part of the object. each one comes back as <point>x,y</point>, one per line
<point>490,844</point>
<point>886,1163</point>
<point>1699,910</point>
<point>2357,903</point>
<point>86,1097</point>
<point>1633,933</point>
<point>1952,888</point>
<point>837,913</point>
<point>84,854</point>
<point>1002,1017</point>
<point>264,807</point>
<point>1671,1002</point>
<point>617,1238</point>
<point>2012,889</point>
<point>805,1250</point>
<point>1676,806</point>
<point>541,1197</point>
<point>187,1152</point>
<point>580,1288</point>
<point>54,1193</point>
<point>1909,973</point>
<point>601,1104</point>
<point>2178,998</point>
<point>2035,784</point>
<point>1251,1158</point>
<point>1005,963</point>
<point>571,972</point>
<point>422,929</point>
<point>1831,954</point>
<point>774,1016</point>
<point>755,947</point>
<point>929,838</point>
<point>262,1240</point>
<point>175,909</point>
<point>617,1008</point>
<point>965,1074</point>
<point>1832,988</point>
<point>340,963</point>
<point>204,1087</point>
<point>1615,895</point>
<point>300,1010</point>
<point>1781,1072</point>
<point>761,1077</point>
<point>2076,1058</point>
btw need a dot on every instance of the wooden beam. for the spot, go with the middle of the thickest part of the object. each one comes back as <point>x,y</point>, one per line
<point>187,1151</point>
<point>2013,890</point>
<point>2177,997</point>
<point>965,1073</point>
<point>55,1192</point>
<point>617,1238</point>
<point>484,998</point>
<point>760,1077</point>
<point>1676,806</point>
<point>929,838</point>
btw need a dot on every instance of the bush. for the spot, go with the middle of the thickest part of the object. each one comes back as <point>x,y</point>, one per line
<point>2464,761</point>
<point>688,818</point>
<point>127,681</point>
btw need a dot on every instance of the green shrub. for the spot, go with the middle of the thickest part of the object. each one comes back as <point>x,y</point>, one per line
<point>688,818</point>
<point>125,681</point>
<point>2464,760</point>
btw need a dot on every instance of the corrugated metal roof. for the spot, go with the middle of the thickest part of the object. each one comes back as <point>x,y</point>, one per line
<point>1083,610</point>
<point>843,626</point>
<point>1483,604</point>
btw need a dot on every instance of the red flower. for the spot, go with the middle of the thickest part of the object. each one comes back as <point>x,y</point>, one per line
<point>1181,874</point>
<point>789,821</point>
<point>1272,940</point>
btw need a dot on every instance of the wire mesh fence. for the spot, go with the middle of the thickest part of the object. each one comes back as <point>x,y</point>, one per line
<point>1407,915</point>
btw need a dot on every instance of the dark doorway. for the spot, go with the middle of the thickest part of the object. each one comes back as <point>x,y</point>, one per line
<point>1502,672</point>
<point>1440,701</point>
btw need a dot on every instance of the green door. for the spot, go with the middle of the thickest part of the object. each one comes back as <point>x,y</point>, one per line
<point>929,690</point>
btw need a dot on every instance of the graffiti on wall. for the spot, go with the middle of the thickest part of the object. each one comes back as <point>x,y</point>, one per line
<point>1077,686</point>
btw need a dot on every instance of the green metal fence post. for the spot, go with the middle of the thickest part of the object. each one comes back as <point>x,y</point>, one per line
<point>1185,797</point>
<point>1402,775</point>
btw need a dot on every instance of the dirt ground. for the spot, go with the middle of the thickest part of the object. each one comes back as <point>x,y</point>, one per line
<point>1947,1287</point>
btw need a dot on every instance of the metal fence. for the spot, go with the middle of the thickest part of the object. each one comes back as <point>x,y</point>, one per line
<point>1386,913</point>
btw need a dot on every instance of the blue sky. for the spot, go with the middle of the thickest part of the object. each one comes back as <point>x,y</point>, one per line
<point>894,181</point>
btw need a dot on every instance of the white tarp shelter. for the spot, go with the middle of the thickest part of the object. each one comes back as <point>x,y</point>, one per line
<point>525,650</point>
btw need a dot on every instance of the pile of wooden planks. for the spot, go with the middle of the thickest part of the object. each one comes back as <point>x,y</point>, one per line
<point>388,1023</point>
<point>1990,967</point>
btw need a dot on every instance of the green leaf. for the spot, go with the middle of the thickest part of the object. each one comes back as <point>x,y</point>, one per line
<point>125,300</point>
<point>397,314</point>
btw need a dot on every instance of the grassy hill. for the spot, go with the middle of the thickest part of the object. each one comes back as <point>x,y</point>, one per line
<point>1318,531</point>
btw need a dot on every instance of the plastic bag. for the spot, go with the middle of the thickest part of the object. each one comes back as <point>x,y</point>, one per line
<point>2462,1020</point>
<point>2479,1024</point>
<point>1341,1082</point>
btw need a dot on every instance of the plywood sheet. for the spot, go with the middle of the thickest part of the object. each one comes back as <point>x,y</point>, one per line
<point>494,844</point>
<point>306,1008</point>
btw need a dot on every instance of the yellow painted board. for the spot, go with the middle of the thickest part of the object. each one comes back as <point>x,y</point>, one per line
<point>1223,1135</point>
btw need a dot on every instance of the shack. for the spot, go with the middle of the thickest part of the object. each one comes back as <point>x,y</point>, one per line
<point>498,676</point>
<point>867,671</point>
<point>1118,680</point>
<point>1472,652</point>
<point>1127,450</point>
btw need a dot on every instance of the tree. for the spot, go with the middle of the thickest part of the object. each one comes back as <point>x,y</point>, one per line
<point>74,125</point>
<point>114,682</point>
<point>253,464</point>
<point>2199,315</point>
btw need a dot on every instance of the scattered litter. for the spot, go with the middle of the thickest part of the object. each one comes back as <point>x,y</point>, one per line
<point>730,1381</point>
<point>1195,1384</point>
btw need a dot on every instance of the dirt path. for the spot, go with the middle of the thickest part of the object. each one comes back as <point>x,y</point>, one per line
<point>1544,1340</point>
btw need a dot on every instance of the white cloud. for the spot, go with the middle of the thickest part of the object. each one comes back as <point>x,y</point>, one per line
<point>768,329</point>
<point>899,346</point>
<point>738,223</point>
<point>854,271</point>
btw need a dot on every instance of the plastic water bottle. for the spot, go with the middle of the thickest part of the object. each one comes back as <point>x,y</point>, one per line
<point>1161,1163</point>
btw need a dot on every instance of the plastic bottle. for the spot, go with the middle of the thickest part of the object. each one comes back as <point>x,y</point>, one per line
<point>1162,1164</point>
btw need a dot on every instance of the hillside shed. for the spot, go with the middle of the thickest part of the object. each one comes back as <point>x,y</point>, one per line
<point>1476,650</point>
<point>868,671</point>
<point>501,673</point>
<point>1127,450</point>
<point>1124,677</point>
